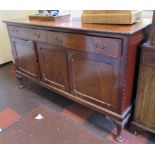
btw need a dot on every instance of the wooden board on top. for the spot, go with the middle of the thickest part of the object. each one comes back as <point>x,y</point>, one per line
<point>108,11</point>
<point>111,17</point>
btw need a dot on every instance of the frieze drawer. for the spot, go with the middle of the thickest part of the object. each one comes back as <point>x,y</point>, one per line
<point>27,33</point>
<point>101,45</point>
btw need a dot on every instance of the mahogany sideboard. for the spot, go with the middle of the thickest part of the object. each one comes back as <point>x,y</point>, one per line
<point>91,64</point>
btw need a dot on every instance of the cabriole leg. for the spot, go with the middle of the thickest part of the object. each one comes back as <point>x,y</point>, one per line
<point>119,136</point>
<point>20,81</point>
<point>120,126</point>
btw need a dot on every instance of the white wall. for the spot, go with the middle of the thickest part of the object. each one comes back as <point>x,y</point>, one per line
<point>5,49</point>
<point>76,14</point>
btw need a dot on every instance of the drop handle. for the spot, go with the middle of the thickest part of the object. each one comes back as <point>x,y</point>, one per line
<point>58,40</point>
<point>29,41</point>
<point>100,46</point>
<point>42,48</point>
<point>14,30</point>
<point>37,35</point>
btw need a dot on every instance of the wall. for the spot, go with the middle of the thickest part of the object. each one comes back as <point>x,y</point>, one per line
<point>5,49</point>
<point>76,14</point>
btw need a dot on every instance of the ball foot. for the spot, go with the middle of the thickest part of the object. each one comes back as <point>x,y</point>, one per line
<point>119,139</point>
<point>21,86</point>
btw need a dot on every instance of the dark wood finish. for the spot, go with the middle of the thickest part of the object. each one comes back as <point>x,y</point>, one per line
<point>132,58</point>
<point>55,38</point>
<point>53,66</point>
<point>95,78</point>
<point>26,57</point>
<point>144,117</point>
<point>149,58</point>
<point>90,64</point>
<point>27,33</point>
<point>99,45</point>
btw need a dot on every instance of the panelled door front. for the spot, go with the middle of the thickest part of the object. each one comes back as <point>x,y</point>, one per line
<point>145,104</point>
<point>53,65</point>
<point>95,78</point>
<point>26,57</point>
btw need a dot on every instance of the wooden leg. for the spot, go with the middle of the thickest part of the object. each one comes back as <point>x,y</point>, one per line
<point>20,81</point>
<point>120,126</point>
<point>119,136</point>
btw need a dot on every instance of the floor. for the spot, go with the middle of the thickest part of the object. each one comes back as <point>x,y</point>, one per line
<point>17,103</point>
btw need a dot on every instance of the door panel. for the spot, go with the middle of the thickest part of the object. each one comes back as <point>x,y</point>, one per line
<point>53,64</point>
<point>145,106</point>
<point>26,57</point>
<point>95,78</point>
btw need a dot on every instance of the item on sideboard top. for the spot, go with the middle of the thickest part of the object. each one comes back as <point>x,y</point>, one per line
<point>111,16</point>
<point>50,15</point>
<point>53,12</point>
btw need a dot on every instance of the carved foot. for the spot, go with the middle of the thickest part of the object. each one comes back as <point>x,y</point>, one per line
<point>119,139</point>
<point>120,126</point>
<point>20,81</point>
<point>21,86</point>
<point>119,136</point>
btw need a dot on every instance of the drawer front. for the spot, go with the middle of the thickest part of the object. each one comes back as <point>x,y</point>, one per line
<point>100,45</point>
<point>107,46</point>
<point>149,58</point>
<point>28,33</point>
<point>56,38</point>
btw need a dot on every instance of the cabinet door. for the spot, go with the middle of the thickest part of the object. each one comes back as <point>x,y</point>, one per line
<point>145,103</point>
<point>26,57</point>
<point>53,65</point>
<point>95,78</point>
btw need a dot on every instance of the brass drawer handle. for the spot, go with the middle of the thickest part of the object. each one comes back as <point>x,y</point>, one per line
<point>37,35</point>
<point>100,47</point>
<point>29,41</point>
<point>14,31</point>
<point>58,40</point>
<point>42,48</point>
